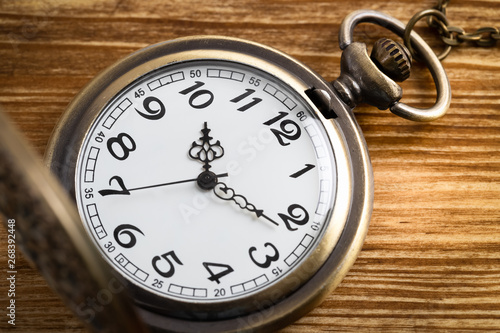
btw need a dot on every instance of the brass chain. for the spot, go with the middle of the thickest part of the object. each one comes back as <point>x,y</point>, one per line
<point>449,34</point>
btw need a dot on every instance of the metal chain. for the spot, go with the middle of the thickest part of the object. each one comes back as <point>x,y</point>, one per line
<point>450,35</point>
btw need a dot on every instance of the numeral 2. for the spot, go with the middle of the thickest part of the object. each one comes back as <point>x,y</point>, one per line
<point>297,215</point>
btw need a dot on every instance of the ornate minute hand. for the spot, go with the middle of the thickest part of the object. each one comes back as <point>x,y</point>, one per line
<point>126,191</point>
<point>224,192</point>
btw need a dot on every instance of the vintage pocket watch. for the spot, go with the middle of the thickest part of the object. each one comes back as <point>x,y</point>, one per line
<point>227,184</point>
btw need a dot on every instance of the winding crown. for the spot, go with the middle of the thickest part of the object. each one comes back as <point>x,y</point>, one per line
<point>392,58</point>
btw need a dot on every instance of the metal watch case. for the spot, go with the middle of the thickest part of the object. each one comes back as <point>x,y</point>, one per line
<point>336,252</point>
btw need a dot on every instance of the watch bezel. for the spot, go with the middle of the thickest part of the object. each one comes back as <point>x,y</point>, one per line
<point>338,248</point>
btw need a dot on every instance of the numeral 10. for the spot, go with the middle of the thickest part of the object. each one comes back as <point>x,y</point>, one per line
<point>199,98</point>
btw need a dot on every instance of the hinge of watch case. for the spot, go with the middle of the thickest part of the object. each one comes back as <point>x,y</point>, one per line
<point>322,100</point>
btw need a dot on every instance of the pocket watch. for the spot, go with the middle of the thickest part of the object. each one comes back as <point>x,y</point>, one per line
<point>227,184</point>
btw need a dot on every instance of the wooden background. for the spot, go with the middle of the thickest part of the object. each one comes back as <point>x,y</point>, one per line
<point>431,261</point>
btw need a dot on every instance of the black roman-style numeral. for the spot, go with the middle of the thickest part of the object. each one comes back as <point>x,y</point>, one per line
<point>241,97</point>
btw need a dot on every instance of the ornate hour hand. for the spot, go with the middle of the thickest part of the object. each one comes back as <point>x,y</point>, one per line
<point>224,192</point>
<point>206,151</point>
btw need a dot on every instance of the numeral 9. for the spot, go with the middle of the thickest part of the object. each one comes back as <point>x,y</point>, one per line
<point>152,114</point>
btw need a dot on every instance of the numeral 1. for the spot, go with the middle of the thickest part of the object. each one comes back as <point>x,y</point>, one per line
<point>188,90</point>
<point>275,119</point>
<point>303,171</point>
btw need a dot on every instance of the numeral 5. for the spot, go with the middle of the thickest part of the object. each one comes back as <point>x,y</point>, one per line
<point>166,257</point>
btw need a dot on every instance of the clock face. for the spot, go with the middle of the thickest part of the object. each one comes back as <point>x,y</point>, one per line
<point>206,181</point>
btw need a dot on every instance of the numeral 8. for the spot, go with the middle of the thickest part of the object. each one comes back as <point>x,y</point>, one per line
<point>126,146</point>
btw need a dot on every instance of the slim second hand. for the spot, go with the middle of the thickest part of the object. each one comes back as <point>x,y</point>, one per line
<point>269,219</point>
<point>260,213</point>
<point>172,183</point>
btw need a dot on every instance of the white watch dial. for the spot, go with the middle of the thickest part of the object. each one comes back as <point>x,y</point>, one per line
<point>206,181</point>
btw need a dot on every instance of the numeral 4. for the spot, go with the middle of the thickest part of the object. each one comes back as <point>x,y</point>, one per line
<point>217,271</point>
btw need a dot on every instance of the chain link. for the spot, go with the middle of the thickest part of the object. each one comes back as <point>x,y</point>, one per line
<point>449,34</point>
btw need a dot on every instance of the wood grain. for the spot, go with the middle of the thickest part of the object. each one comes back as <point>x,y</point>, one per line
<point>431,260</point>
